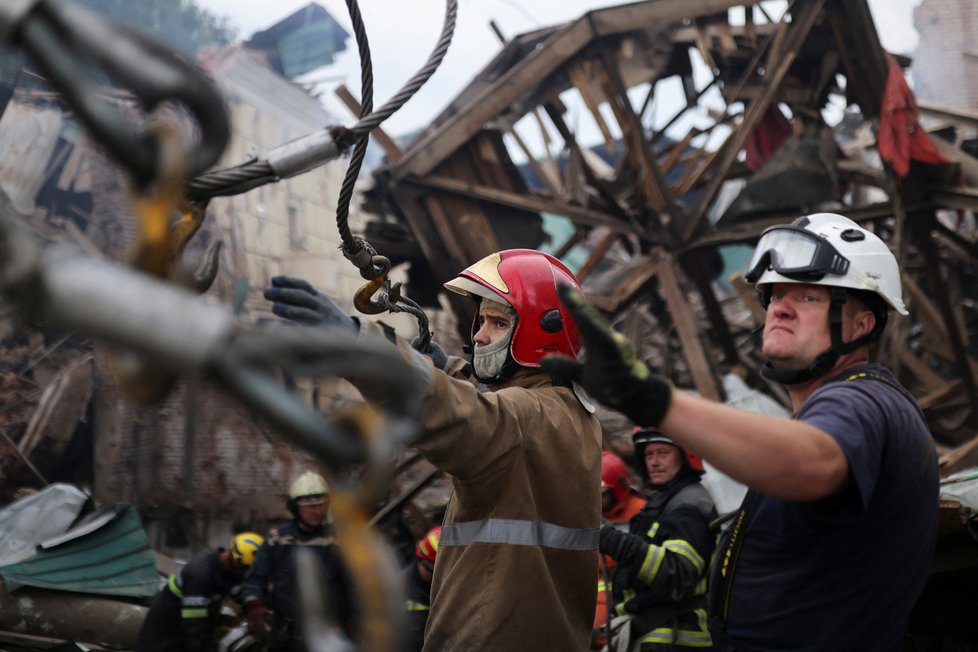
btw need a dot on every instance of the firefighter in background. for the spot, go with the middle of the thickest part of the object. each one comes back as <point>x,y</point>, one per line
<point>524,455</point>
<point>184,615</point>
<point>660,581</point>
<point>620,501</point>
<point>271,583</point>
<point>417,588</point>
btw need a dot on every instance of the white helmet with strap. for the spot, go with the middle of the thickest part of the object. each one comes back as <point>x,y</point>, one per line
<point>830,250</point>
<point>827,249</point>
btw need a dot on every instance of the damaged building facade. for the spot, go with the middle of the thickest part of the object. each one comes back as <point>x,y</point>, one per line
<point>196,465</point>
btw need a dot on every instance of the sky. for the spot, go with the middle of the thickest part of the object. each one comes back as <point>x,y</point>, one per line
<point>402,34</point>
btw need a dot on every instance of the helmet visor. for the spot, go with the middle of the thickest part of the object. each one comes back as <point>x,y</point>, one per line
<point>796,253</point>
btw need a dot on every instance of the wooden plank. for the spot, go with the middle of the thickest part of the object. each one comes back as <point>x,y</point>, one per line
<point>597,255</point>
<point>801,25</point>
<point>551,182</point>
<point>581,73</point>
<point>528,202</point>
<point>391,148</point>
<point>563,45</point>
<point>685,321</point>
<point>649,176</point>
<point>636,279</point>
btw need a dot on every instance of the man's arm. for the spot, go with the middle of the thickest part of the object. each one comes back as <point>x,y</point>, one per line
<point>674,564</point>
<point>195,605</point>
<point>778,457</point>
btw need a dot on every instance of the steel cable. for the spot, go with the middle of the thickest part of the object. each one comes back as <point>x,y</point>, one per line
<point>243,177</point>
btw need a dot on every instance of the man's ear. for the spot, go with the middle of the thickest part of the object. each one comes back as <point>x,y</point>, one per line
<point>865,322</point>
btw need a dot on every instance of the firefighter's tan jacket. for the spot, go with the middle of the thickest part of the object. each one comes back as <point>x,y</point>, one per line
<point>518,552</point>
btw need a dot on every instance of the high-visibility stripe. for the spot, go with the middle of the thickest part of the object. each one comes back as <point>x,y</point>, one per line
<point>193,613</point>
<point>653,530</point>
<point>411,605</point>
<point>678,637</point>
<point>519,533</point>
<point>196,601</point>
<point>650,566</point>
<point>174,584</point>
<point>681,547</point>
<point>682,637</point>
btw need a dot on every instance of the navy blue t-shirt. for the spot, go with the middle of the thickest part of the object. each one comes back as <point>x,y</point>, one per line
<point>844,573</point>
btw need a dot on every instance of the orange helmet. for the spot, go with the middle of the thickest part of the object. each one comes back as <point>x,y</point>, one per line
<point>427,546</point>
<point>526,280</point>
<point>614,475</point>
<point>643,436</point>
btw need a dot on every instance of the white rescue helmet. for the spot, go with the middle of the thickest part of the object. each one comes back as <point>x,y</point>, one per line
<point>827,249</point>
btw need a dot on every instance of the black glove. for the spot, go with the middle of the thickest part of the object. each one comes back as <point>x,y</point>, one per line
<point>610,372</point>
<point>611,541</point>
<point>296,300</point>
<point>435,352</point>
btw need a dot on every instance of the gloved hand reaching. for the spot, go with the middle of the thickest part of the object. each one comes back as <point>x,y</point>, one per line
<point>611,541</point>
<point>610,372</point>
<point>437,354</point>
<point>256,615</point>
<point>296,300</point>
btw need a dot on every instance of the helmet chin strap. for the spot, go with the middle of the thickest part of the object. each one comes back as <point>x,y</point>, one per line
<point>825,360</point>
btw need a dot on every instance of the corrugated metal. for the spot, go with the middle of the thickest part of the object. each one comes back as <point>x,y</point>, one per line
<point>109,554</point>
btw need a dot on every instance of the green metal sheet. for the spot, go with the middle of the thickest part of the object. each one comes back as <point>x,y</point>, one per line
<point>108,554</point>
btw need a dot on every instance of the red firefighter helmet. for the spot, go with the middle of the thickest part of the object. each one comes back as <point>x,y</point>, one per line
<point>614,475</point>
<point>526,280</point>
<point>427,546</point>
<point>643,436</point>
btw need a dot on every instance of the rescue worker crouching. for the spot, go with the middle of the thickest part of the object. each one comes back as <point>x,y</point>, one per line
<point>185,613</point>
<point>271,583</point>
<point>523,451</point>
<point>659,583</point>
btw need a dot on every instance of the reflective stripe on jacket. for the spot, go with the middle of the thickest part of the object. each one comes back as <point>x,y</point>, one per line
<point>518,552</point>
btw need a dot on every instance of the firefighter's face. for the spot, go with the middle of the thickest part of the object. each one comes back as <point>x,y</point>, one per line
<point>312,515</point>
<point>663,462</point>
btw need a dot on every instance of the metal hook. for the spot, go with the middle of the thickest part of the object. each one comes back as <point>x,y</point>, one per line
<point>363,299</point>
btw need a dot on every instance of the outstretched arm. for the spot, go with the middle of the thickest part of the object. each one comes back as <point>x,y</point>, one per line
<point>778,457</point>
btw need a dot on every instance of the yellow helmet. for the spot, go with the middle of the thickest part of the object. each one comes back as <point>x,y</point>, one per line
<point>244,546</point>
<point>308,484</point>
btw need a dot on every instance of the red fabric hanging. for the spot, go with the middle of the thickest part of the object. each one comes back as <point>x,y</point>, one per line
<point>901,136</point>
<point>767,138</point>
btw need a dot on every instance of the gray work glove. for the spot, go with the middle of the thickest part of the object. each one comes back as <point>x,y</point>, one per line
<point>610,371</point>
<point>296,300</point>
<point>435,352</point>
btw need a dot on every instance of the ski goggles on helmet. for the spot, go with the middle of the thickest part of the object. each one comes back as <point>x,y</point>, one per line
<point>796,253</point>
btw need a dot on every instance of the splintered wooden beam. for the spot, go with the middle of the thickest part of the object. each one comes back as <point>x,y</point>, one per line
<point>529,202</point>
<point>597,255</point>
<point>682,316</point>
<point>563,45</point>
<point>651,180</point>
<point>614,206</point>
<point>801,24</point>
<point>962,357</point>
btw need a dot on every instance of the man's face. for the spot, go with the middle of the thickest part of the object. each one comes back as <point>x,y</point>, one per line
<point>796,328</point>
<point>311,516</point>
<point>663,462</point>
<point>493,324</point>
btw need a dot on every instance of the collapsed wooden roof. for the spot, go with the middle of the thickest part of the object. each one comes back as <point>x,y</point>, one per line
<point>654,215</point>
